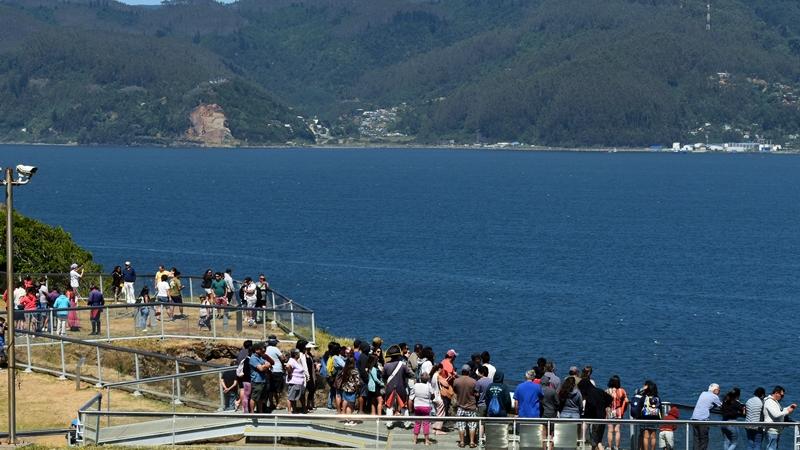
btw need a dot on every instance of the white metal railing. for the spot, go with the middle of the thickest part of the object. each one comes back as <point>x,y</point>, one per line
<point>496,432</point>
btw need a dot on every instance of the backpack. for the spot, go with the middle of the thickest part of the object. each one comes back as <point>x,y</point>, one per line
<point>637,403</point>
<point>494,409</point>
<point>240,368</point>
<point>650,407</point>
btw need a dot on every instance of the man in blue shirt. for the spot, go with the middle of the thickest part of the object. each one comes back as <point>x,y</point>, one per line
<point>259,376</point>
<point>702,411</point>
<point>128,278</point>
<point>527,396</point>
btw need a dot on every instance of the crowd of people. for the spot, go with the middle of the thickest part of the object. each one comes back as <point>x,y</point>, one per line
<point>365,379</point>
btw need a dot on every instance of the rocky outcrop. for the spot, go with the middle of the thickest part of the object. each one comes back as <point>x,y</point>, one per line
<point>208,126</point>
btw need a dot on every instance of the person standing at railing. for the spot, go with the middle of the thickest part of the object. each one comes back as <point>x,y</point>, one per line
<point>220,289</point>
<point>96,301</point>
<point>250,293</point>
<point>296,382</point>
<point>75,275</point>
<point>128,278</point>
<point>598,402</point>
<point>29,302</point>
<point>619,405</point>
<point>707,401</point>
<point>61,306</point>
<point>262,294</point>
<point>731,409</point>
<point>651,410</point>
<point>666,435</point>
<point>244,381</point>
<point>259,371</point>
<point>160,274</point>
<point>175,295</point>
<point>116,283</point>
<point>467,408</point>
<point>549,410</point>
<point>754,408</point>
<point>229,286</point>
<point>774,413</point>
<point>162,297</point>
<point>43,322</point>
<point>277,374</point>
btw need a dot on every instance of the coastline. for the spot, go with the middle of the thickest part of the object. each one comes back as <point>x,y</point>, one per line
<point>386,146</point>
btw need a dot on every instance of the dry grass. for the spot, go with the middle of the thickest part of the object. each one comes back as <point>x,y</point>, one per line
<point>44,402</point>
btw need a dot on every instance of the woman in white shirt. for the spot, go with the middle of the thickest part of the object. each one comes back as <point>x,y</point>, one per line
<point>422,396</point>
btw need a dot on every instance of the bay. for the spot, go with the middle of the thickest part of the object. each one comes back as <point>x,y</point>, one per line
<point>680,268</point>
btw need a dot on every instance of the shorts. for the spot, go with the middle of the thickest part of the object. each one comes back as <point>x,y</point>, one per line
<point>463,424</point>
<point>176,299</point>
<point>666,439</point>
<point>295,392</point>
<point>258,391</point>
<point>163,299</point>
<point>596,433</point>
<point>349,397</point>
<point>481,410</point>
<point>364,391</point>
<point>276,381</point>
<point>393,397</point>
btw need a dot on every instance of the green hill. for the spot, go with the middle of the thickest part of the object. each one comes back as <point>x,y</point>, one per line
<point>550,72</point>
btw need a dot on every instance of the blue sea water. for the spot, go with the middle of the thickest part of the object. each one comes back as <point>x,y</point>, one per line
<point>680,268</point>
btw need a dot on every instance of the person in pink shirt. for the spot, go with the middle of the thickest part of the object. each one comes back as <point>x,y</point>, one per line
<point>296,381</point>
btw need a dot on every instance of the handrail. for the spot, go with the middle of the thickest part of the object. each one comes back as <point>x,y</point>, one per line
<point>152,304</point>
<point>121,349</point>
<point>93,400</point>
<point>537,420</point>
<point>169,377</point>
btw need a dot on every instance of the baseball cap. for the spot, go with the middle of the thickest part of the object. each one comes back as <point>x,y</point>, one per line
<point>311,345</point>
<point>73,266</point>
<point>127,263</point>
<point>452,352</point>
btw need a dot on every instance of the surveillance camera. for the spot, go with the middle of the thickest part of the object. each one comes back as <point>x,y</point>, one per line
<point>26,171</point>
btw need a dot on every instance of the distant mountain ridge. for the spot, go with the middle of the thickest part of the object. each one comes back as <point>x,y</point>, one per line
<point>548,72</point>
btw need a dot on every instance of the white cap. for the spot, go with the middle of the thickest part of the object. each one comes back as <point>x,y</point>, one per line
<point>127,263</point>
<point>73,266</point>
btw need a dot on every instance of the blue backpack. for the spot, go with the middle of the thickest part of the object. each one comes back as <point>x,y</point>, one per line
<point>637,403</point>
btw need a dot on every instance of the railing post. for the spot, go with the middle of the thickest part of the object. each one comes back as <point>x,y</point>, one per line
<point>222,404</point>
<point>101,284</point>
<point>274,309</point>
<point>264,325</point>
<point>108,326</point>
<point>161,318</point>
<point>687,436</point>
<point>191,291</point>
<point>99,370</point>
<point>377,431</point>
<point>177,400</point>
<point>313,328</point>
<point>136,393</point>
<point>291,318</point>
<point>50,322</point>
<point>63,364</point>
<point>214,321</point>
<point>28,344</point>
<point>108,406</point>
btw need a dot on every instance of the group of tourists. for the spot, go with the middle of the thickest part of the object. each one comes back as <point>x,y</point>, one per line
<point>365,379</point>
<point>33,300</point>
<point>261,371</point>
<point>219,289</point>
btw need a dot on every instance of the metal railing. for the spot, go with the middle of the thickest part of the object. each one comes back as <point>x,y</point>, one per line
<point>147,320</point>
<point>495,432</point>
<point>288,314</point>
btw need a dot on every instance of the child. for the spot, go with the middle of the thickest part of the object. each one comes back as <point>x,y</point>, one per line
<point>205,314</point>
<point>666,438</point>
<point>144,318</point>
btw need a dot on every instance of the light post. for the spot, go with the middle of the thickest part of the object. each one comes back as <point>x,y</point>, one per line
<point>25,173</point>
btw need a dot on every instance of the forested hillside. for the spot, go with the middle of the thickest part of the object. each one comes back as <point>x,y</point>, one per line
<point>548,72</point>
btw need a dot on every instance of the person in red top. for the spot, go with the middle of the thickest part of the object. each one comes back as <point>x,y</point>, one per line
<point>448,370</point>
<point>28,302</point>
<point>666,437</point>
<point>619,403</point>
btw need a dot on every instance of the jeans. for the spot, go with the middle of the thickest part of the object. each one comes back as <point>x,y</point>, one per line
<point>772,440</point>
<point>729,437</point>
<point>230,400</point>
<point>754,438</point>
<point>700,437</point>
